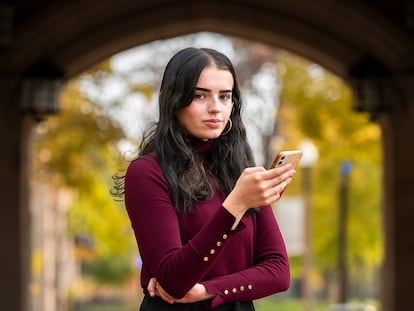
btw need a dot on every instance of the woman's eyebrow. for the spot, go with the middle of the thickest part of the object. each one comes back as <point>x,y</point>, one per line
<point>207,90</point>
<point>202,89</point>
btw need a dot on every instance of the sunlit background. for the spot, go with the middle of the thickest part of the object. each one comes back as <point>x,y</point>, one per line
<point>84,251</point>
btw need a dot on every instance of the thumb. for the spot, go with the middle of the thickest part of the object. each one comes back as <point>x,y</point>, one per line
<point>151,287</point>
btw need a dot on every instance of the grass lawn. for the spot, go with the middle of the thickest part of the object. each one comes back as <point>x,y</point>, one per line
<point>274,304</point>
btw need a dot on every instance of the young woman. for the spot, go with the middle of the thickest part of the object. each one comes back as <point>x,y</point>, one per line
<point>199,207</point>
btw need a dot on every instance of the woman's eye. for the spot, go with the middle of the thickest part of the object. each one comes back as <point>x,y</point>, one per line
<point>199,96</point>
<point>225,97</point>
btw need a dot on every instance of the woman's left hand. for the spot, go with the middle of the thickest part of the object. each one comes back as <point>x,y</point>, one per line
<point>154,289</point>
<point>197,293</point>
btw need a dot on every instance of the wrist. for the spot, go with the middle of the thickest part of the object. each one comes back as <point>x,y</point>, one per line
<point>234,208</point>
<point>204,295</point>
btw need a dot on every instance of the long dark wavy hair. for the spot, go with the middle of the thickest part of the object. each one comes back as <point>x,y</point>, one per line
<point>180,164</point>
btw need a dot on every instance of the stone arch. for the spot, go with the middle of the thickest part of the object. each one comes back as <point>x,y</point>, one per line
<point>76,34</point>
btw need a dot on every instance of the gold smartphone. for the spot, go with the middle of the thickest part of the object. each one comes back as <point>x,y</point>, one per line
<point>287,156</point>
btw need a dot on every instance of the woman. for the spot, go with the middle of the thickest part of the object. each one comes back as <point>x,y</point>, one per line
<point>199,208</point>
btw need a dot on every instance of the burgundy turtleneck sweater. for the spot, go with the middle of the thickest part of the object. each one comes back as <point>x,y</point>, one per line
<point>181,249</point>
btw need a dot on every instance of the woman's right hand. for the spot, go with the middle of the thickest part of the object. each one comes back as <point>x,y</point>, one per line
<point>197,293</point>
<point>257,187</point>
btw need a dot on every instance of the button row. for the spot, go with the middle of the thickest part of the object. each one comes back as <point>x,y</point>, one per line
<point>234,290</point>
<point>213,251</point>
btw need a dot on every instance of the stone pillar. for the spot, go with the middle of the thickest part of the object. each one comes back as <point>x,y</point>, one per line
<point>15,218</point>
<point>398,184</point>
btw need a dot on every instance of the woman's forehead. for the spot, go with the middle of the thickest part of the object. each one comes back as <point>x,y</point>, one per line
<point>213,78</point>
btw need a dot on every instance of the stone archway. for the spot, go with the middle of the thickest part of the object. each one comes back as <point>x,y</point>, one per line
<point>74,35</point>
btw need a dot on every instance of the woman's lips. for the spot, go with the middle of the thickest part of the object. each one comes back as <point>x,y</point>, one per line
<point>212,123</point>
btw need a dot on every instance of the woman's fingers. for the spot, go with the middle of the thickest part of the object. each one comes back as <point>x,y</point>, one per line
<point>151,287</point>
<point>163,294</point>
<point>253,169</point>
<point>274,177</point>
<point>155,289</point>
<point>257,187</point>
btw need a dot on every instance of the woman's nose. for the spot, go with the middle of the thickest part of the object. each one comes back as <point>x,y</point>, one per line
<point>214,104</point>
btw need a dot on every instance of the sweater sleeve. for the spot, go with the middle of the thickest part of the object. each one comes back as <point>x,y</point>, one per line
<point>269,275</point>
<point>177,267</point>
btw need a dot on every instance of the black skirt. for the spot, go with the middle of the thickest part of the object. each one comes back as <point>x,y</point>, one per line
<point>157,304</point>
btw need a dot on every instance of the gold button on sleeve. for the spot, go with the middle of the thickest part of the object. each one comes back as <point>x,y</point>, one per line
<point>250,286</point>
<point>234,290</point>
<point>226,292</point>
<point>212,251</point>
<point>205,259</point>
<point>241,288</point>
<point>218,243</point>
<point>225,236</point>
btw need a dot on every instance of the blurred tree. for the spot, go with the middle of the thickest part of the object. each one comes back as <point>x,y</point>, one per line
<point>77,150</point>
<point>316,104</point>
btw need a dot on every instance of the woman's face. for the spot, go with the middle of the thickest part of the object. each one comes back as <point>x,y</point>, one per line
<point>207,115</point>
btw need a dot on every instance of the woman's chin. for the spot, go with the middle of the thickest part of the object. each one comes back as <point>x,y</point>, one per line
<point>208,136</point>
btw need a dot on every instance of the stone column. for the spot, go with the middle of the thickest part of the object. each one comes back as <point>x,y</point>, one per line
<point>15,218</point>
<point>398,184</point>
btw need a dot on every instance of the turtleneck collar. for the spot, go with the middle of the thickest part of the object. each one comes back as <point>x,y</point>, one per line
<point>202,146</point>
